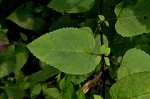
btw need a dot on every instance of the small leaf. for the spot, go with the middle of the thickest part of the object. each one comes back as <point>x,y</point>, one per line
<point>71,6</point>
<point>98,44</point>
<point>23,36</point>
<point>52,93</point>
<point>35,90</point>
<point>67,49</point>
<point>97,97</point>
<point>107,52</point>
<point>62,84</point>
<point>81,94</point>
<point>107,61</point>
<point>102,49</point>
<point>101,17</point>
<point>69,92</point>
<point>107,24</point>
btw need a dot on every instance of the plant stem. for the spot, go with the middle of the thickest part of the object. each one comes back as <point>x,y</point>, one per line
<point>102,42</point>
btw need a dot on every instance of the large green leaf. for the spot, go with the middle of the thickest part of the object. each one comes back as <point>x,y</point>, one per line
<point>71,6</point>
<point>68,49</point>
<point>134,61</point>
<point>133,19</point>
<point>136,86</point>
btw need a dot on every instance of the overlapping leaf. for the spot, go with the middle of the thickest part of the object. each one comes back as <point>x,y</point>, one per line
<point>133,76</point>
<point>71,6</point>
<point>136,86</point>
<point>133,19</point>
<point>134,61</point>
<point>68,49</point>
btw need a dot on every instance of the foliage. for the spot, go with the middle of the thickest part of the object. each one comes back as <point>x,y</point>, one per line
<point>74,49</point>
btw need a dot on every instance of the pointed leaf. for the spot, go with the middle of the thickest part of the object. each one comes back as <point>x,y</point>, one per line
<point>134,61</point>
<point>133,19</point>
<point>71,6</point>
<point>68,49</point>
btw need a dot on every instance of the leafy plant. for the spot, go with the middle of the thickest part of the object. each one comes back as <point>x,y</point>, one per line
<point>75,49</point>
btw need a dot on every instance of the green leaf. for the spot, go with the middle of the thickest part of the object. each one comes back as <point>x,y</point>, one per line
<point>42,75</point>
<point>107,52</point>
<point>101,17</point>
<point>136,86</point>
<point>62,83</point>
<point>15,93</point>
<point>133,19</point>
<point>98,43</point>
<point>69,91</point>
<point>97,97</point>
<point>107,61</point>
<point>134,61</point>
<point>7,61</point>
<point>106,23</point>
<point>21,54</point>
<point>81,94</point>
<point>3,96</point>
<point>76,79</point>
<point>25,17</point>
<point>102,49</point>
<point>35,90</point>
<point>23,36</point>
<point>51,93</point>
<point>67,49</point>
<point>24,85</point>
<point>71,6</point>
